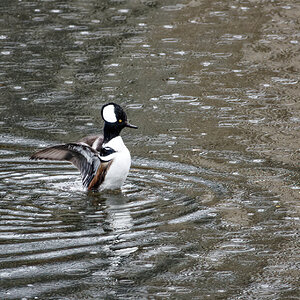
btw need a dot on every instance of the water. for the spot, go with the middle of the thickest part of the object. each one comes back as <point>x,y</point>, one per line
<point>210,209</point>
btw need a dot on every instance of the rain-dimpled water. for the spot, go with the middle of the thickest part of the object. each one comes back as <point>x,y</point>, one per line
<point>210,208</point>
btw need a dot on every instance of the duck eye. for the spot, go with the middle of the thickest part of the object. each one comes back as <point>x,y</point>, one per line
<point>120,121</point>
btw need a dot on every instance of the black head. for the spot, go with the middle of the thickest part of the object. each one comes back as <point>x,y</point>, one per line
<point>115,119</point>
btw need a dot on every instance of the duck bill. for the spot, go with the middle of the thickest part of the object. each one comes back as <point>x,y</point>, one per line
<point>130,125</point>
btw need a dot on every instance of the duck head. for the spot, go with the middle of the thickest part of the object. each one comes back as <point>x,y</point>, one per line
<point>115,119</point>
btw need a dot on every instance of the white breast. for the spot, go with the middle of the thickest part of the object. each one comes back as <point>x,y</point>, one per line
<point>119,167</point>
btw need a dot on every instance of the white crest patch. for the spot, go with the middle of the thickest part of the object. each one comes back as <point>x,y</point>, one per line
<point>109,114</point>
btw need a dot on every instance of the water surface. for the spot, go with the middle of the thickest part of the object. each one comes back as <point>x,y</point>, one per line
<point>210,209</point>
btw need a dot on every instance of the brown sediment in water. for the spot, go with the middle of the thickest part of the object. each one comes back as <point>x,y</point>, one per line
<point>276,57</point>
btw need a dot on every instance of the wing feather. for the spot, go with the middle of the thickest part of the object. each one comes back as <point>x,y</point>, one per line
<point>100,175</point>
<point>82,156</point>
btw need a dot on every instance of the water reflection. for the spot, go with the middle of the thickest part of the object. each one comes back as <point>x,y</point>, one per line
<point>210,208</point>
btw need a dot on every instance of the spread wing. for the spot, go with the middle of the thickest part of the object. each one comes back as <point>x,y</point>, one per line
<point>84,157</point>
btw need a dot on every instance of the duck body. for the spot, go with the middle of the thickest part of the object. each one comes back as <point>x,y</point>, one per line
<point>103,160</point>
<point>120,164</point>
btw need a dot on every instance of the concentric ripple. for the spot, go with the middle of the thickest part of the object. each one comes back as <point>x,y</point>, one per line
<point>54,234</point>
<point>166,223</point>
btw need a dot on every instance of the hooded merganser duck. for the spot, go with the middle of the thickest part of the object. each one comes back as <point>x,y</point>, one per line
<point>103,160</point>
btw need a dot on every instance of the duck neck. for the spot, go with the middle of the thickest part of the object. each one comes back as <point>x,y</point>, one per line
<point>110,131</point>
